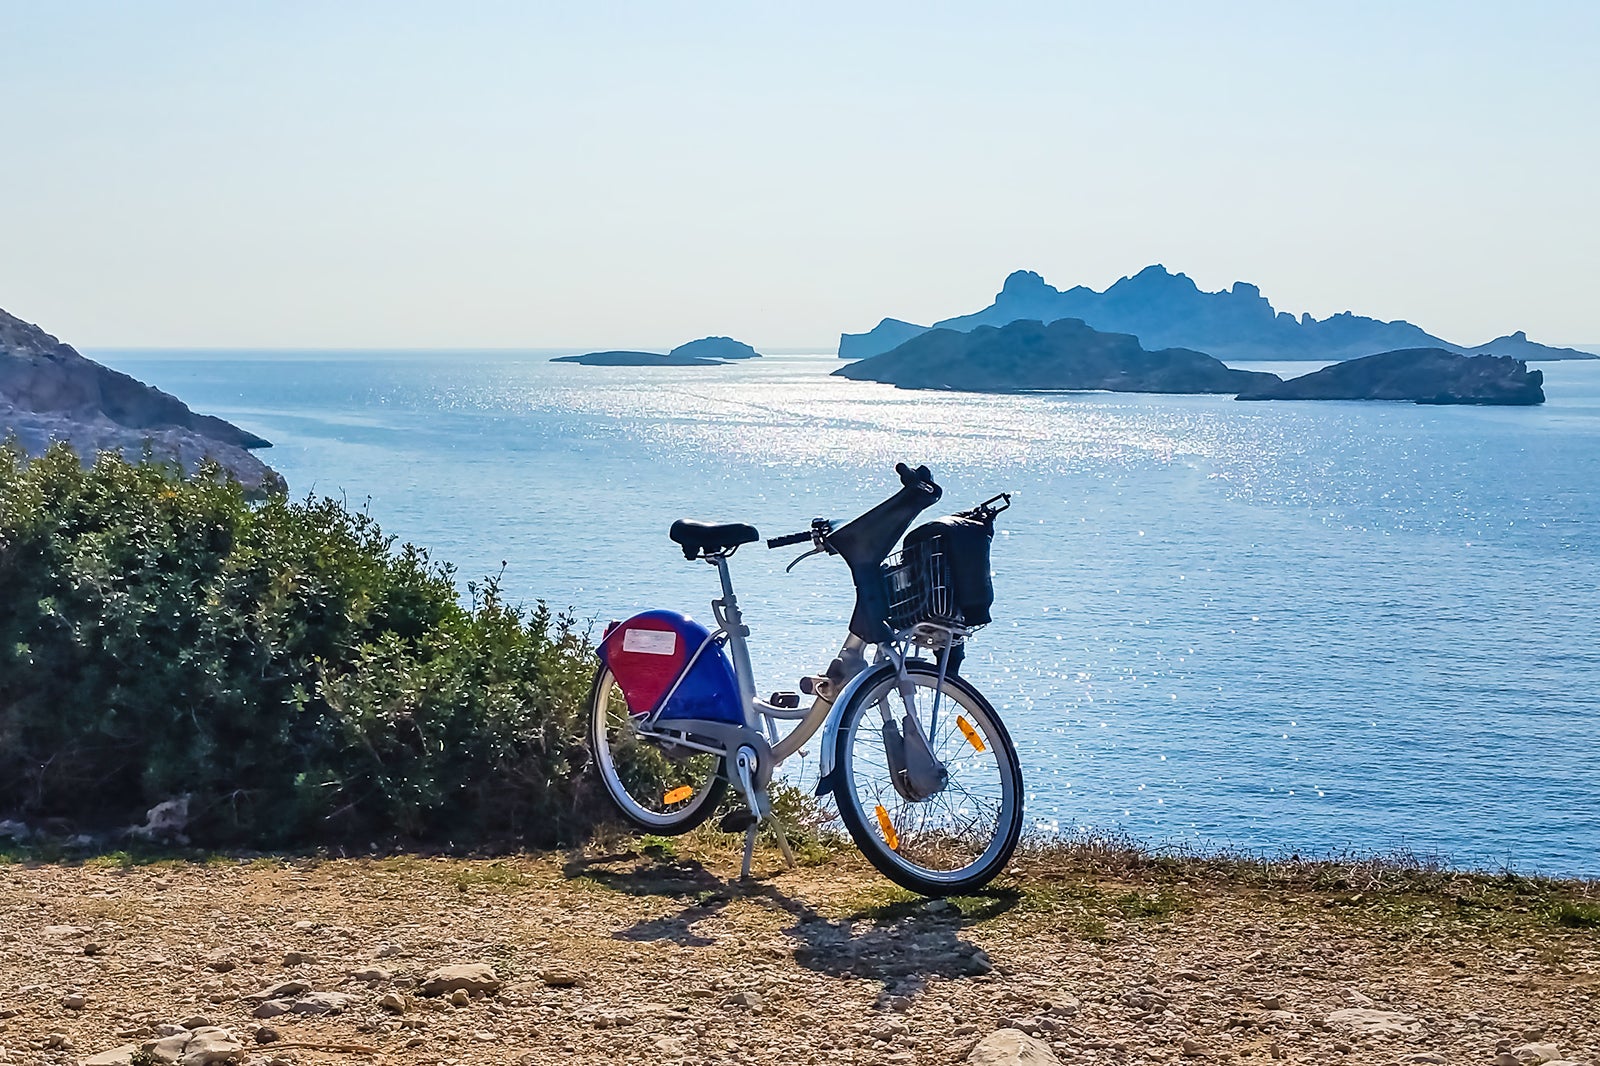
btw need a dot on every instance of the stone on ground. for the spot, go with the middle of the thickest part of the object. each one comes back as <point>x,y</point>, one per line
<point>1011,1047</point>
<point>470,977</point>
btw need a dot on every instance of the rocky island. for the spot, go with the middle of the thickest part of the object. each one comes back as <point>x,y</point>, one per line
<point>1420,375</point>
<point>707,351</point>
<point>49,392</point>
<point>1065,355</point>
<point>1166,310</point>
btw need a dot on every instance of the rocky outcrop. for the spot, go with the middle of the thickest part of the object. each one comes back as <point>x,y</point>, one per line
<point>715,348</point>
<point>1066,354</point>
<point>1420,375</point>
<point>885,336</point>
<point>707,351</point>
<point>1167,310</point>
<point>1518,346</point>
<point>50,393</point>
<point>625,358</point>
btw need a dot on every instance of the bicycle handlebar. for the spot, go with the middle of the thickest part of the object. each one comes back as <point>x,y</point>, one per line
<point>792,538</point>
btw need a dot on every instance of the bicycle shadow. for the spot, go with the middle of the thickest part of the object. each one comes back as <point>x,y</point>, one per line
<point>901,946</point>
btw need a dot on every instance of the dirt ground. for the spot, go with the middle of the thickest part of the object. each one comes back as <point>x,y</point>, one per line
<point>643,952</point>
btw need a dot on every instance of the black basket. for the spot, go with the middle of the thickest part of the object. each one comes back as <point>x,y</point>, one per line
<point>917,582</point>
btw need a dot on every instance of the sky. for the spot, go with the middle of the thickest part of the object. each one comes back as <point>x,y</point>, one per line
<point>401,174</point>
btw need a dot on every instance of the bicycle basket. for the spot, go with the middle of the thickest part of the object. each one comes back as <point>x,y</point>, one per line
<point>917,582</point>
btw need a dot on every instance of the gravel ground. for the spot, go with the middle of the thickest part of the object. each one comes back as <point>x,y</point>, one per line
<point>659,956</point>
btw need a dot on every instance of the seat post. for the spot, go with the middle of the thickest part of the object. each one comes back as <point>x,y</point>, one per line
<point>727,612</point>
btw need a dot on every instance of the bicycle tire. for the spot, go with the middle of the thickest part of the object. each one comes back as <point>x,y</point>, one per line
<point>895,833</point>
<point>639,776</point>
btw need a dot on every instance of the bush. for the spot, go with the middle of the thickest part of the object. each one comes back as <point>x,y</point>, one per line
<point>280,663</point>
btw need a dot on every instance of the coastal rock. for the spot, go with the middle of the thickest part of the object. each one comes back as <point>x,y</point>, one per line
<point>707,351</point>
<point>471,977</point>
<point>886,336</point>
<point>49,392</point>
<point>1011,1047</point>
<point>626,358</point>
<point>1420,375</point>
<point>1167,310</point>
<point>1067,354</point>
<point>714,348</point>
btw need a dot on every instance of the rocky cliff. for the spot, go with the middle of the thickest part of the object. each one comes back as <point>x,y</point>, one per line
<point>1421,375</point>
<point>1066,354</point>
<point>1165,310</point>
<point>49,392</point>
<point>885,336</point>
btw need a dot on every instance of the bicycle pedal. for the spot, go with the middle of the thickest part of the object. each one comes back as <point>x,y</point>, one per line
<point>737,821</point>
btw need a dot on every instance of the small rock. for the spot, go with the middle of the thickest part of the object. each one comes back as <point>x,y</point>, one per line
<point>393,1003</point>
<point>117,1056</point>
<point>1341,1047</point>
<point>297,958</point>
<point>272,1008</point>
<point>752,1000</point>
<point>207,1047</point>
<point>386,951</point>
<point>484,1038</point>
<point>199,1021</point>
<point>267,1035</point>
<point>171,1029</point>
<point>1534,1053</point>
<point>467,977</point>
<point>1371,1022</point>
<point>1426,1057</point>
<point>221,960</point>
<point>14,830</point>
<point>460,998</point>
<point>305,925</point>
<point>373,975</point>
<point>63,932</point>
<point>1011,1047</point>
<point>977,964</point>
<point>1506,1058</point>
<point>78,1001</point>
<point>561,979</point>
<point>91,948</point>
<point>323,1003</point>
<point>282,990</point>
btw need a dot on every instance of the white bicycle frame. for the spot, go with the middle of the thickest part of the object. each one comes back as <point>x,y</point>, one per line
<point>824,715</point>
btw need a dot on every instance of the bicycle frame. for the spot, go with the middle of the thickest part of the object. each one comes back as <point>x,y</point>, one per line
<point>761,716</point>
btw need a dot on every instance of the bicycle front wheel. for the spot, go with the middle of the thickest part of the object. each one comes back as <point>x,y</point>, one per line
<point>658,788</point>
<point>957,839</point>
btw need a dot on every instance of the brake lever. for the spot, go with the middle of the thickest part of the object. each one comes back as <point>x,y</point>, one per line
<point>802,558</point>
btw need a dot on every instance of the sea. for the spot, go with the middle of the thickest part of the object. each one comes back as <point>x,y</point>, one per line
<point>1269,628</point>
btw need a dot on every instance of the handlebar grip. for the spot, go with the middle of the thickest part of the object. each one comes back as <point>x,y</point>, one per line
<point>792,538</point>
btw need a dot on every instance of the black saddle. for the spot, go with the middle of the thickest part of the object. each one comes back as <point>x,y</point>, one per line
<point>704,537</point>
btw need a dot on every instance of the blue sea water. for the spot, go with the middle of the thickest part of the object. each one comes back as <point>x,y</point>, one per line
<point>1272,626</point>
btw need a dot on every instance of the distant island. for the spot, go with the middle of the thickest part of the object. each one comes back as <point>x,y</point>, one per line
<point>1067,354</point>
<point>49,393</point>
<point>1166,310</point>
<point>707,351</point>
<point>1420,375</point>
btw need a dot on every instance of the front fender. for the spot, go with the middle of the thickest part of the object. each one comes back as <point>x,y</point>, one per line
<point>830,731</point>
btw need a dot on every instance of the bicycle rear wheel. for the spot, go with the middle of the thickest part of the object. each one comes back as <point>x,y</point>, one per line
<point>957,839</point>
<point>657,789</point>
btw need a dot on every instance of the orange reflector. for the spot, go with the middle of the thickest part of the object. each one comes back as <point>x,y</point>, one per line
<point>678,795</point>
<point>889,835</point>
<point>970,733</point>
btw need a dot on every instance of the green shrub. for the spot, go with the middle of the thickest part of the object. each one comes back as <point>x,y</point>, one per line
<point>281,663</point>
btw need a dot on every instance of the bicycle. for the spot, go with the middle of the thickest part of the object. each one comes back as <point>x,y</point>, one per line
<point>934,800</point>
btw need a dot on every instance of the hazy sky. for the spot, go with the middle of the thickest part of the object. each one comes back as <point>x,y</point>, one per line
<point>375,174</point>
